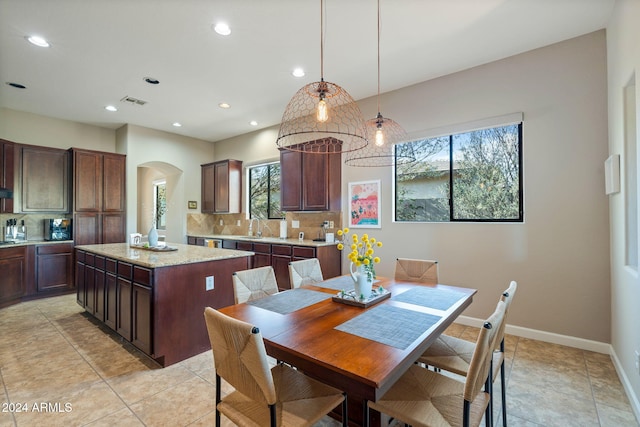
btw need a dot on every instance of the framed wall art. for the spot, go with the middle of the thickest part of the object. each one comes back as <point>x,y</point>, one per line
<point>364,204</point>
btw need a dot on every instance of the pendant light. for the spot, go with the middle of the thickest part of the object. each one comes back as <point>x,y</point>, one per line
<point>322,117</point>
<point>383,134</point>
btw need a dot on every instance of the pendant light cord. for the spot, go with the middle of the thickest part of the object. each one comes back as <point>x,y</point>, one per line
<point>378,56</point>
<point>321,40</point>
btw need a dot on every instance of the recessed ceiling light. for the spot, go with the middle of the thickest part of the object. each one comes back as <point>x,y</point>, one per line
<point>151,80</point>
<point>253,123</point>
<point>224,105</point>
<point>298,72</point>
<point>38,41</point>
<point>176,124</point>
<point>16,85</point>
<point>222,28</point>
<point>110,108</point>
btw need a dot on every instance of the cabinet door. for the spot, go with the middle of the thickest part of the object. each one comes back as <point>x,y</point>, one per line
<point>280,264</point>
<point>110,300</point>
<point>113,228</point>
<point>290,180</point>
<point>90,289</point>
<point>141,333</point>
<point>113,182</point>
<point>207,188</point>
<point>86,228</point>
<point>45,180</point>
<point>80,284</point>
<point>315,178</point>
<point>7,172</point>
<point>99,286</point>
<point>221,188</point>
<point>123,308</point>
<point>87,181</point>
<point>12,278</point>
<point>54,265</point>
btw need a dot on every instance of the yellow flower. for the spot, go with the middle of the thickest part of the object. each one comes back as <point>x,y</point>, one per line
<point>345,231</point>
<point>376,260</point>
<point>366,261</point>
<point>354,246</point>
<point>339,232</point>
<point>340,246</point>
<point>379,244</point>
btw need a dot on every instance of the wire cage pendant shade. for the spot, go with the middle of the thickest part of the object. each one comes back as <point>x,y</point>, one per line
<point>322,117</point>
<point>383,134</point>
<point>387,152</point>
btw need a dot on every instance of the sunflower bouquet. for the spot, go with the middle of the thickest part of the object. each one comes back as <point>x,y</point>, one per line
<point>362,250</point>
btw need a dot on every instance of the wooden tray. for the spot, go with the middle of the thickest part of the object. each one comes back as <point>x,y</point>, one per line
<point>154,248</point>
<point>349,298</point>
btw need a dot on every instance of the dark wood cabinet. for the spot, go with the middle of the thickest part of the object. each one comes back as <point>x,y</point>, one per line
<point>99,183</point>
<point>310,181</point>
<point>13,265</point>
<point>280,259</point>
<point>221,187</point>
<point>141,333</point>
<point>44,180</point>
<point>110,293</point>
<point>54,267</point>
<point>262,255</point>
<point>7,174</point>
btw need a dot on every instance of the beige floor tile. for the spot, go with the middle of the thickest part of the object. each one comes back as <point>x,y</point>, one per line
<point>6,418</point>
<point>122,418</point>
<point>614,417</point>
<point>139,385</point>
<point>199,363</point>
<point>179,405</point>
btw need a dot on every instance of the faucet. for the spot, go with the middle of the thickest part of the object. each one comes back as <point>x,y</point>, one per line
<point>258,232</point>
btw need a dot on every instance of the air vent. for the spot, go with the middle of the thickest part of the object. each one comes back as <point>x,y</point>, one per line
<point>132,100</point>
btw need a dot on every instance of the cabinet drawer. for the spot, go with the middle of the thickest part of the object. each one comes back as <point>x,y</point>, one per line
<point>80,256</point>
<point>62,248</point>
<point>281,249</point>
<point>304,252</point>
<point>110,265</point>
<point>142,275</point>
<point>90,259</point>
<point>125,270</point>
<point>262,248</point>
<point>100,261</point>
<point>244,246</point>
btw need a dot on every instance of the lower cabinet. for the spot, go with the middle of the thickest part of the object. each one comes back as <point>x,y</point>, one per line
<point>13,264</point>
<point>119,294</point>
<point>54,267</point>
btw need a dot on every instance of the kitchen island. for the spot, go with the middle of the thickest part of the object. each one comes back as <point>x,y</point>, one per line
<point>156,299</point>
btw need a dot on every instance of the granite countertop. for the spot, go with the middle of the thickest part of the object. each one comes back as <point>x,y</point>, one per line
<point>185,254</point>
<point>290,241</point>
<point>33,242</point>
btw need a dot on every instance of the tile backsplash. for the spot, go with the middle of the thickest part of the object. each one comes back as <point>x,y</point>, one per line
<point>237,224</point>
<point>34,223</point>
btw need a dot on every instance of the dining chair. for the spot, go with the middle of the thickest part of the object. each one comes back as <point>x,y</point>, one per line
<point>254,284</point>
<point>304,272</point>
<point>454,354</point>
<point>417,270</point>
<point>423,398</point>
<point>283,395</point>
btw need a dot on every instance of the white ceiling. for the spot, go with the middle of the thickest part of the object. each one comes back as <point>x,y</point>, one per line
<point>102,49</point>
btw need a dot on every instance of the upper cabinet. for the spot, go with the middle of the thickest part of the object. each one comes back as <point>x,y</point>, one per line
<point>310,181</point>
<point>44,180</point>
<point>222,187</point>
<point>99,183</point>
<point>7,173</point>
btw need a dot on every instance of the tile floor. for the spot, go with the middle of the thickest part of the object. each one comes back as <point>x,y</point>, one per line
<point>52,354</point>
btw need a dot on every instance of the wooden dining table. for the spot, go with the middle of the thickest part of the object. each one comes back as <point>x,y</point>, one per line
<point>360,350</point>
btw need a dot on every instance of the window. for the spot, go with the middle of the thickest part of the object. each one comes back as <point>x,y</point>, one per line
<point>160,204</point>
<point>264,191</point>
<point>471,176</point>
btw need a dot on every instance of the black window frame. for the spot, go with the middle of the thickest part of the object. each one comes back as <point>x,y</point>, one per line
<point>519,219</point>
<point>269,166</point>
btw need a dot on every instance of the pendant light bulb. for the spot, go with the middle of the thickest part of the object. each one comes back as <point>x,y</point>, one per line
<point>322,112</point>
<point>379,136</point>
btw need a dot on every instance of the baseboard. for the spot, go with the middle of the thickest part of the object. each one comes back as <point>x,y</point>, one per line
<point>550,337</point>
<point>633,398</point>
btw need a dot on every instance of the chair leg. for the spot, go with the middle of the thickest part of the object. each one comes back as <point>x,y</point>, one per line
<point>466,412</point>
<point>218,398</point>
<point>503,383</point>
<point>365,413</point>
<point>345,413</point>
<point>488,387</point>
<point>272,413</point>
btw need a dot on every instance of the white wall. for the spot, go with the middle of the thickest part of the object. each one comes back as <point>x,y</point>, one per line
<point>560,255</point>
<point>623,52</point>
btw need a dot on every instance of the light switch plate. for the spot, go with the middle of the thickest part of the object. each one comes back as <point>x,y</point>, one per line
<point>295,223</point>
<point>209,283</point>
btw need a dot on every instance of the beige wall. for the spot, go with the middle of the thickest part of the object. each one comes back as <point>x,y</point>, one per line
<point>27,128</point>
<point>560,255</point>
<point>623,53</point>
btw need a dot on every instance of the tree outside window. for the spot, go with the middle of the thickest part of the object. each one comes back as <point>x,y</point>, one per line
<point>264,191</point>
<point>160,204</point>
<point>472,176</point>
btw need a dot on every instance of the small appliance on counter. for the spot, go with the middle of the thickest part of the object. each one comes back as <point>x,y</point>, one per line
<point>14,232</point>
<point>57,229</point>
